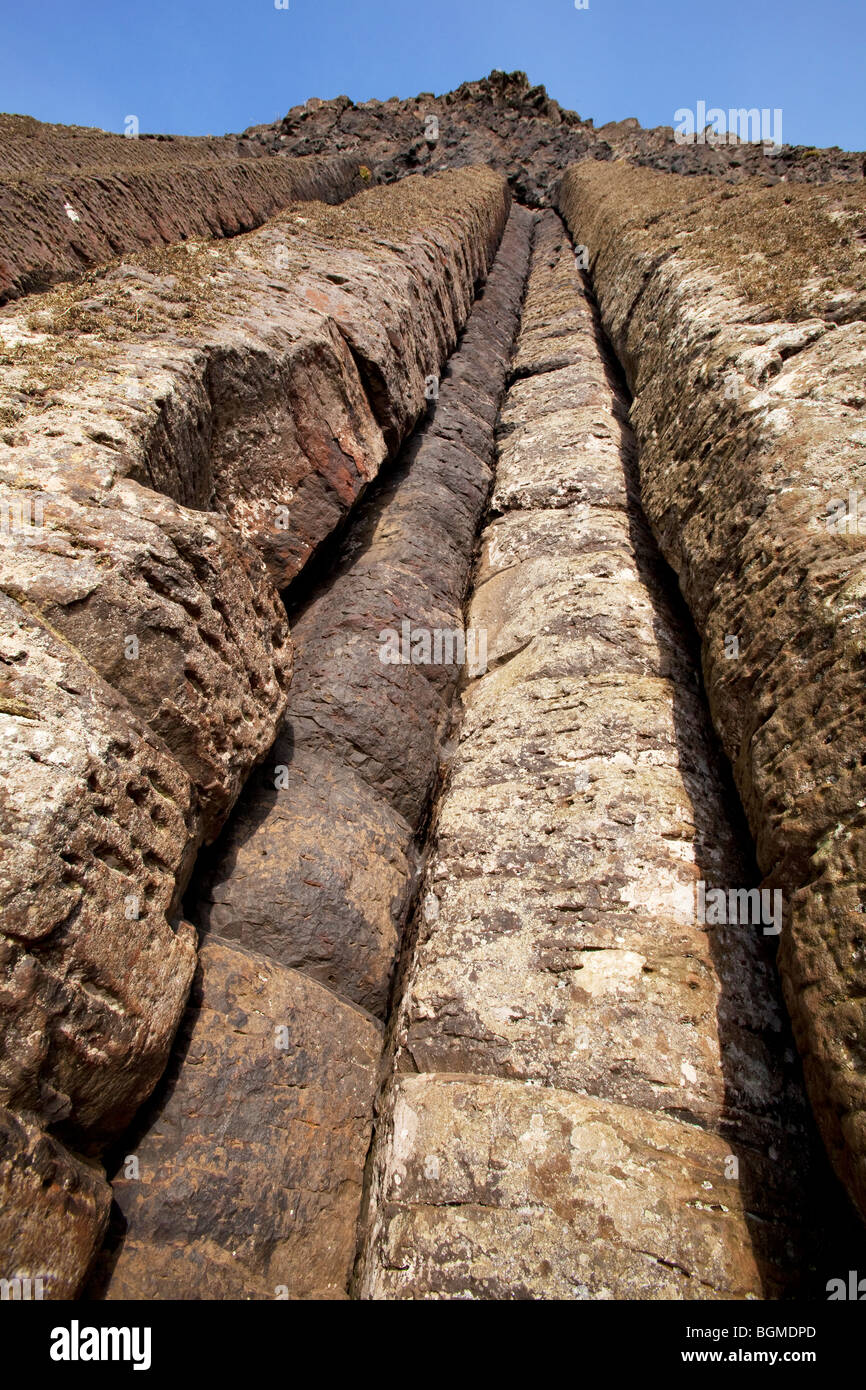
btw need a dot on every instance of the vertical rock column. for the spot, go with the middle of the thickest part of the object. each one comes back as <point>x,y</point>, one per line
<point>591,1093</point>
<point>249,1174</point>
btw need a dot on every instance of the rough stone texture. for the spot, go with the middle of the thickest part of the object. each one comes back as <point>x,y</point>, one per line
<point>517,128</point>
<point>316,875</point>
<point>111,456</point>
<point>116,564</point>
<point>313,878</point>
<point>53,1212</point>
<point>97,832</point>
<point>266,376</point>
<point>265,402</point>
<point>126,198</point>
<point>740,489</point>
<point>317,868</point>
<point>251,1165</point>
<point>559,945</point>
<point>494,1190</point>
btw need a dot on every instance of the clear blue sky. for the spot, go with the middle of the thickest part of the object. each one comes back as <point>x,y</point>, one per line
<point>209,66</point>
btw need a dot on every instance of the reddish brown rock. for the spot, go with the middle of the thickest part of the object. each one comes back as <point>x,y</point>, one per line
<point>317,866</point>
<point>314,871</point>
<point>129,194</point>
<point>97,840</point>
<point>53,1213</point>
<point>251,1161</point>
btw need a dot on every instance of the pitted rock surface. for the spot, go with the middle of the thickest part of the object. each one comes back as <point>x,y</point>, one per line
<point>258,1199</point>
<point>559,945</point>
<point>744,490</point>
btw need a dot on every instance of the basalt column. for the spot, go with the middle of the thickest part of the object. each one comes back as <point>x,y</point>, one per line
<point>591,1092</point>
<point>249,1166</point>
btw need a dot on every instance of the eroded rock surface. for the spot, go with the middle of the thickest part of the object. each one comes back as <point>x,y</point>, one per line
<point>97,835</point>
<point>145,643</point>
<point>504,121</point>
<point>53,1213</point>
<point>749,490</point>
<point>606,1038</point>
<point>122,195</point>
<point>314,877</point>
<point>362,738</point>
<point>249,1177</point>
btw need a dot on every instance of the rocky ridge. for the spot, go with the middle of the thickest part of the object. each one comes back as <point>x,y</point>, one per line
<point>454,1009</point>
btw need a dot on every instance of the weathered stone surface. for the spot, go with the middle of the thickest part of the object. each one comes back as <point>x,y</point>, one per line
<point>169,605</point>
<point>559,946</point>
<point>128,195</point>
<point>316,875</point>
<point>740,489</point>
<point>490,1189</point>
<point>263,401</point>
<point>97,835</point>
<point>517,128</point>
<point>317,868</point>
<point>53,1212</point>
<point>266,376</point>
<point>316,872</point>
<point>252,1156</point>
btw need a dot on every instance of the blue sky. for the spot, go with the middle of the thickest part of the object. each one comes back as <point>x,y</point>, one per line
<point>208,66</point>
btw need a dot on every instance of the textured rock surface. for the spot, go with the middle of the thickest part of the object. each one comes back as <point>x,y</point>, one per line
<point>53,1212</point>
<point>316,874</point>
<point>97,818</point>
<point>250,1170</point>
<point>145,644</point>
<point>362,739</point>
<point>262,414</point>
<point>559,945</point>
<point>313,878</point>
<point>505,122</point>
<point>491,1189</point>
<point>129,196</point>
<point>740,489</point>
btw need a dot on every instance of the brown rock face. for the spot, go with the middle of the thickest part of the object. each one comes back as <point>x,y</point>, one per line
<point>466,1022</point>
<point>350,778</point>
<point>97,820</point>
<point>146,644</point>
<point>607,1042</point>
<point>250,1173</point>
<point>518,129</point>
<point>316,874</point>
<point>749,492</point>
<point>53,1214</point>
<point>128,195</point>
<point>313,879</point>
